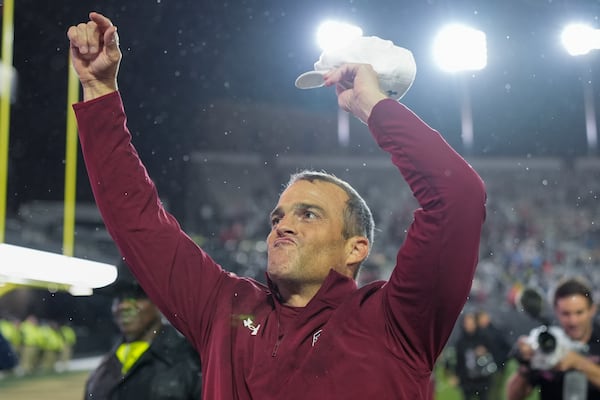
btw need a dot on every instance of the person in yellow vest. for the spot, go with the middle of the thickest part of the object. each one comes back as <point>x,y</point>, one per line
<point>151,360</point>
<point>52,346</point>
<point>31,346</point>
<point>69,338</point>
<point>10,329</point>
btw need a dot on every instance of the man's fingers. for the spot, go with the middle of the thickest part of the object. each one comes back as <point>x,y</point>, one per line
<point>343,74</point>
<point>72,35</point>
<point>111,39</point>
<point>77,39</point>
<point>107,33</point>
<point>102,22</point>
<point>333,77</point>
<point>92,37</point>
<point>84,37</point>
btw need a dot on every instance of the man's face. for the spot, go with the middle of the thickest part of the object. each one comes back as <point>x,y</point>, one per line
<point>469,323</point>
<point>134,316</point>
<point>575,315</point>
<point>306,238</point>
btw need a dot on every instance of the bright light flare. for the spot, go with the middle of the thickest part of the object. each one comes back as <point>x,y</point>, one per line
<point>21,265</point>
<point>460,48</point>
<point>333,35</point>
<point>8,81</point>
<point>580,39</point>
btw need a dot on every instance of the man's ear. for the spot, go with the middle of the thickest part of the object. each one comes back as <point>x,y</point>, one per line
<point>358,250</point>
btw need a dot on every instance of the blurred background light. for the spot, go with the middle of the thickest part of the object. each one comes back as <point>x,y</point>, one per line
<point>333,34</point>
<point>460,48</point>
<point>8,79</point>
<point>580,39</point>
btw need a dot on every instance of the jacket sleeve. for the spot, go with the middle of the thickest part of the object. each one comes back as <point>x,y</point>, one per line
<point>436,263</point>
<point>194,371</point>
<point>177,275</point>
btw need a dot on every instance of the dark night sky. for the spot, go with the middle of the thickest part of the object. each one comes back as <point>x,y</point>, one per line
<point>182,55</point>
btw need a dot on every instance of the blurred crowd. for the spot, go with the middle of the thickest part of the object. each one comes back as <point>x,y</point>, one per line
<point>542,223</point>
<point>542,217</point>
<point>41,346</point>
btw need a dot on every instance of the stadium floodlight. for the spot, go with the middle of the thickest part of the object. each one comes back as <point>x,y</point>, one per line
<point>35,268</point>
<point>333,34</point>
<point>460,48</point>
<point>580,39</point>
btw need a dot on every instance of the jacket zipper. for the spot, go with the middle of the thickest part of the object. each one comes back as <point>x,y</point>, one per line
<point>279,339</point>
<point>279,336</point>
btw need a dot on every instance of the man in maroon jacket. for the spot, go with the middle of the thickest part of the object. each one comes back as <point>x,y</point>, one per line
<point>311,333</point>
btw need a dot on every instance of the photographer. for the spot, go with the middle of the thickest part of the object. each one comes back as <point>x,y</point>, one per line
<point>575,310</point>
<point>475,364</point>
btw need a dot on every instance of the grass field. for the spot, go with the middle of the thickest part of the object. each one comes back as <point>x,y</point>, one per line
<point>65,386</point>
<point>69,386</point>
<point>446,391</point>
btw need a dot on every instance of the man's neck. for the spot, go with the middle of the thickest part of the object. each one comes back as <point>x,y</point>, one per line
<point>297,295</point>
<point>588,336</point>
<point>297,301</point>
<point>149,333</point>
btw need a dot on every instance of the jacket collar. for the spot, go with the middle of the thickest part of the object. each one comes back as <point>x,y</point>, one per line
<point>162,346</point>
<point>334,289</point>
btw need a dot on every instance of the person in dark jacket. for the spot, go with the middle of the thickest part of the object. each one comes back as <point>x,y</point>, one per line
<point>500,350</point>
<point>310,333</point>
<point>475,364</point>
<point>151,360</point>
<point>8,356</point>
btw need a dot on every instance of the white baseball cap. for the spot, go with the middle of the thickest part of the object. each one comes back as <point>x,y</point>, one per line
<point>395,66</point>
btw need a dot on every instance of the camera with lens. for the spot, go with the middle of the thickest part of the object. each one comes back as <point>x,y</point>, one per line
<point>550,345</point>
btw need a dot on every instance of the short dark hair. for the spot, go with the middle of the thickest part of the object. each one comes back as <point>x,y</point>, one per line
<point>358,219</point>
<point>124,286</point>
<point>572,287</point>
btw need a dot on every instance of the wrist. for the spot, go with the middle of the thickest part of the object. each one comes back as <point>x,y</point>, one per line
<point>94,89</point>
<point>580,363</point>
<point>524,371</point>
<point>367,106</point>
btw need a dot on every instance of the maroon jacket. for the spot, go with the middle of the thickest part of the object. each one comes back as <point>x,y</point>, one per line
<point>376,342</point>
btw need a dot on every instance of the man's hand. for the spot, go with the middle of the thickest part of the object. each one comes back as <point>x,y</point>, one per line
<point>95,55</point>
<point>525,351</point>
<point>357,88</point>
<point>571,360</point>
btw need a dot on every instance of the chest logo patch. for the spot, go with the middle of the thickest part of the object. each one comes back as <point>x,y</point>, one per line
<point>316,336</point>
<point>248,323</point>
